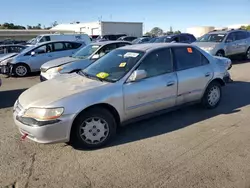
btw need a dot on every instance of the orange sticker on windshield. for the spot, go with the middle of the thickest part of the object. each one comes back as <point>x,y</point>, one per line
<point>189,50</point>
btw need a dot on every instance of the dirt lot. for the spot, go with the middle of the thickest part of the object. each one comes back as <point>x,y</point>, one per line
<point>186,148</point>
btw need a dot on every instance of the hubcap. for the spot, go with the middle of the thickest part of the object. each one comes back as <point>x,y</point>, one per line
<point>94,130</point>
<point>214,95</point>
<point>21,70</point>
<point>248,54</point>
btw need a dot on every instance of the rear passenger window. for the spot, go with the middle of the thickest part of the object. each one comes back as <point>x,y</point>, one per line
<point>188,57</point>
<point>240,35</point>
<point>58,46</point>
<point>157,63</point>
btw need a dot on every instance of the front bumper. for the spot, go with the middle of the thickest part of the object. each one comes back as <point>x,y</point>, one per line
<point>5,69</point>
<point>42,78</point>
<point>52,133</point>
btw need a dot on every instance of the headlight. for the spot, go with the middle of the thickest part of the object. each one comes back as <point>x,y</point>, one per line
<point>208,48</point>
<point>54,70</point>
<point>43,113</point>
<point>5,62</point>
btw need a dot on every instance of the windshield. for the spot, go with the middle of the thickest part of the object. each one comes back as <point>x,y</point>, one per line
<point>86,51</point>
<point>136,40</point>
<point>163,39</point>
<point>113,66</point>
<point>27,49</point>
<point>212,38</point>
<point>34,40</point>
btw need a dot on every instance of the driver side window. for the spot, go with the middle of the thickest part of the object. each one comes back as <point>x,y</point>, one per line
<point>106,49</point>
<point>157,63</point>
<point>231,37</point>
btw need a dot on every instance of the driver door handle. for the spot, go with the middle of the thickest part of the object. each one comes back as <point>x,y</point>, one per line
<point>170,83</point>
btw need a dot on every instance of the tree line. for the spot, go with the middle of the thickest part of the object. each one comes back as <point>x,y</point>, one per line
<point>156,31</point>
<point>38,26</point>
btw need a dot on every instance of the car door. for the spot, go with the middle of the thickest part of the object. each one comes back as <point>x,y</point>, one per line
<point>157,91</point>
<point>231,44</point>
<point>40,56</point>
<point>241,41</point>
<point>193,73</point>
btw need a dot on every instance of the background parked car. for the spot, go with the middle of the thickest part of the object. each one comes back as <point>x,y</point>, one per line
<point>141,40</point>
<point>11,48</point>
<point>226,43</point>
<point>80,60</point>
<point>127,38</point>
<point>32,58</point>
<point>182,38</point>
<point>83,38</point>
<point>109,37</point>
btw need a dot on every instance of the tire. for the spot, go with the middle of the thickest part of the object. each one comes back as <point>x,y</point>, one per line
<point>211,97</point>
<point>220,53</point>
<point>105,128</point>
<point>247,56</point>
<point>21,70</point>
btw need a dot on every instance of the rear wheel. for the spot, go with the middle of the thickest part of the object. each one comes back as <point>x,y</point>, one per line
<point>20,70</point>
<point>212,95</point>
<point>93,128</point>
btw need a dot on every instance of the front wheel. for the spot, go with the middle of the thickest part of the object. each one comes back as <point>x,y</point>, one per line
<point>248,54</point>
<point>212,96</point>
<point>20,70</point>
<point>93,128</point>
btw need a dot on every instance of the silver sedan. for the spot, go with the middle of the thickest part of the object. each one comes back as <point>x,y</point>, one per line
<point>127,84</point>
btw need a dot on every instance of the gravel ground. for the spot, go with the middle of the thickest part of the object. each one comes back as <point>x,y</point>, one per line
<point>191,147</point>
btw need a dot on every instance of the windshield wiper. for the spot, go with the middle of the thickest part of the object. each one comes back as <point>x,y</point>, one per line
<point>95,77</point>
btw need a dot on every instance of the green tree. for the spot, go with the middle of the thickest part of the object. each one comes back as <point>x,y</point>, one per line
<point>156,31</point>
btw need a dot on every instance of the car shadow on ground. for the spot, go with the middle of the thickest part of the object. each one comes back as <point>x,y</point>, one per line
<point>235,96</point>
<point>8,98</point>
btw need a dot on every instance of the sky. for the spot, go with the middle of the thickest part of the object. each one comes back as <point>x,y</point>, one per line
<point>180,14</point>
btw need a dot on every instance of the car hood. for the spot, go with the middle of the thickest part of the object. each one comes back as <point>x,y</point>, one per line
<point>45,93</point>
<point>58,62</point>
<point>76,65</point>
<point>205,44</point>
<point>6,56</point>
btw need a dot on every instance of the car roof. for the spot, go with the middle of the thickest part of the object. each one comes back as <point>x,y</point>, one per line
<point>109,42</point>
<point>3,45</point>
<point>226,31</point>
<point>54,41</point>
<point>152,46</point>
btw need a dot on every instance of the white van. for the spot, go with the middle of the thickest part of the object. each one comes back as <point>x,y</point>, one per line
<point>67,37</point>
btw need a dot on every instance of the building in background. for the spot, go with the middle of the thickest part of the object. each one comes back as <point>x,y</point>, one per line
<point>103,28</point>
<point>199,31</point>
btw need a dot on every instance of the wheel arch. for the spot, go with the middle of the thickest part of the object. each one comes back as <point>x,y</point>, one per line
<point>106,106</point>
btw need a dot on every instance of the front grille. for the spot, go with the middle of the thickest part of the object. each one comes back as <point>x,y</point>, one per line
<point>18,108</point>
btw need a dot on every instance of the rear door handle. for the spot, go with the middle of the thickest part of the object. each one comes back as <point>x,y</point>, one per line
<point>170,83</point>
<point>207,74</point>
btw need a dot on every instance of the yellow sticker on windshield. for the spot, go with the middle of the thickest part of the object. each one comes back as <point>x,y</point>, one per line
<point>122,64</point>
<point>102,75</point>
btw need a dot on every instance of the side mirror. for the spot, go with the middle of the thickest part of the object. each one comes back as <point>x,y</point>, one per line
<point>96,56</point>
<point>137,75</point>
<point>33,53</point>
